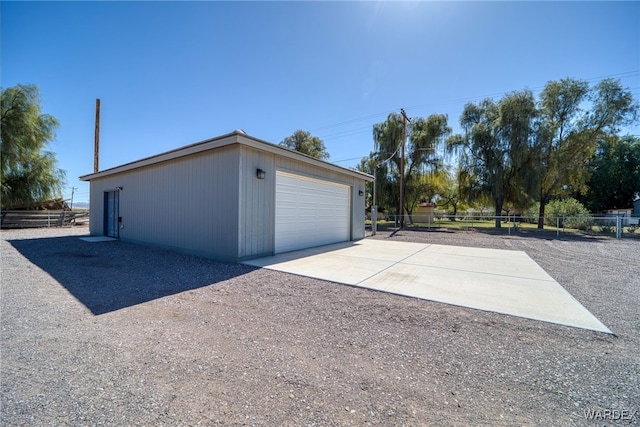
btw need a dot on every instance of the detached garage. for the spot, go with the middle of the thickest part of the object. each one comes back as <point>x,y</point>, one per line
<point>229,198</point>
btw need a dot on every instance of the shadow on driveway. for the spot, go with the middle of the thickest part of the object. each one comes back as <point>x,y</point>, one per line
<point>108,276</point>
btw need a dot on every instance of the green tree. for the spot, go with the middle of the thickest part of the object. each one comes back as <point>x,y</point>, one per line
<point>615,180</point>
<point>303,142</point>
<point>28,170</point>
<point>497,147</point>
<point>567,135</point>
<point>455,189</point>
<point>421,156</point>
<point>368,165</point>
<point>387,137</point>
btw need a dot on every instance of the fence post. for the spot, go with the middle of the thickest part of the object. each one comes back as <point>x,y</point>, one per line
<point>374,220</point>
<point>557,226</point>
<point>618,227</point>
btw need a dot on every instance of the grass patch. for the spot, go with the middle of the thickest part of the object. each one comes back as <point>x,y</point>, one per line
<point>508,226</point>
<point>472,225</point>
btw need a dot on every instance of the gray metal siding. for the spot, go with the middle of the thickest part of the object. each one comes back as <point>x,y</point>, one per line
<point>210,203</point>
<point>96,203</point>
<point>257,199</point>
<point>256,204</point>
<point>188,204</point>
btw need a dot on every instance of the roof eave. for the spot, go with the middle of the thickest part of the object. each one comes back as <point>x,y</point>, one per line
<point>235,137</point>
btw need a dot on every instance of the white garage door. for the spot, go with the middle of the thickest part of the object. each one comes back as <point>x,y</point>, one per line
<point>309,212</point>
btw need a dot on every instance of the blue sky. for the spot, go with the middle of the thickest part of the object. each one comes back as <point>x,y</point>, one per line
<point>173,73</point>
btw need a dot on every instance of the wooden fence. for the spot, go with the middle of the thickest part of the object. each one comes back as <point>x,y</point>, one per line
<point>40,219</point>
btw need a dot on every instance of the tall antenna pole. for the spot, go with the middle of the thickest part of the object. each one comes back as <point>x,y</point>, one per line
<point>405,119</point>
<point>96,146</point>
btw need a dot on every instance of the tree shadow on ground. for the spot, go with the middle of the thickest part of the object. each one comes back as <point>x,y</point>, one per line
<point>108,276</point>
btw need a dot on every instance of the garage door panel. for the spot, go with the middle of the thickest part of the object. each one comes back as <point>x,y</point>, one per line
<point>309,212</point>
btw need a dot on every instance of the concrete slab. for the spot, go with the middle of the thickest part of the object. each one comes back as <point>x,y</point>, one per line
<point>96,239</point>
<point>503,281</point>
<point>507,263</point>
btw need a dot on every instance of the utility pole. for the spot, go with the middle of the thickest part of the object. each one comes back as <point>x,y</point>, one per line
<point>405,119</point>
<point>96,146</point>
<point>374,208</point>
<point>73,189</point>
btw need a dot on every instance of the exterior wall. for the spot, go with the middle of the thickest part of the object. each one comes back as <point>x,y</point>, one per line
<point>187,204</point>
<point>423,214</point>
<point>209,202</point>
<point>257,199</point>
<point>256,234</point>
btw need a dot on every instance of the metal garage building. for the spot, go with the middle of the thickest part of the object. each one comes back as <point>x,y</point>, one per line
<point>229,198</point>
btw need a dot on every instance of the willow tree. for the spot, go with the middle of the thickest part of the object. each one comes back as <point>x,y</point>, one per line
<point>456,189</point>
<point>568,135</point>
<point>497,146</point>
<point>28,170</point>
<point>424,135</point>
<point>368,165</point>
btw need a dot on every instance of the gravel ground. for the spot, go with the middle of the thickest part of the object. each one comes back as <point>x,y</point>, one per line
<point>118,334</point>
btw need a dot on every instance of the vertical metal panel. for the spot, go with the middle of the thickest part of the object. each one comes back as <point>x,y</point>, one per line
<point>358,209</point>
<point>96,204</point>
<point>187,204</point>
<point>256,203</point>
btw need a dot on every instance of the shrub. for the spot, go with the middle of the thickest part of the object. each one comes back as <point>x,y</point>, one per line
<point>531,214</point>
<point>571,212</point>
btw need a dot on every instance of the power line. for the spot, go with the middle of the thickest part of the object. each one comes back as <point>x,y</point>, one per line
<point>346,160</point>
<point>357,119</point>
<point>359,130</point>
<point>533,89</point>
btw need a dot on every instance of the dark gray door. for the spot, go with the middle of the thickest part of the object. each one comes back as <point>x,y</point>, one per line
<point>111,212</point>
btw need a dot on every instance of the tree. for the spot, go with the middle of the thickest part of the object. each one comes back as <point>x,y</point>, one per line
<point>455,190</point>
<point>303,142</point>
<point>567,136</point>
<point>497,147</point>
<point>368,166</point>
<point>615,180</point>
<point>421,156</point>
<point>387,137</point>
<point>28,170</point>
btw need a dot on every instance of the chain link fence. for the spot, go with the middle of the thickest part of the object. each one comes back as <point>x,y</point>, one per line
<point>618,226</point>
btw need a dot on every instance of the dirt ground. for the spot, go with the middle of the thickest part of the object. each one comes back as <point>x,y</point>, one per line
<point>113,333</point>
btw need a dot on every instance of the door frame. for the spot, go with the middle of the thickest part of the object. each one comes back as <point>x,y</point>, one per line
<point>320,180</point>
<point>112,220</point>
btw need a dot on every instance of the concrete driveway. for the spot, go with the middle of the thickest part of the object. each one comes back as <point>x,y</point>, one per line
<point>501,281</point>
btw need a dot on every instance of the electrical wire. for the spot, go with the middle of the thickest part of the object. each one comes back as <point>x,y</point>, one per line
<point>363,129</point>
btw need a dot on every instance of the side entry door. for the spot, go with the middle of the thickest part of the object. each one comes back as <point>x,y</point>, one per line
<point>111,213</point>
